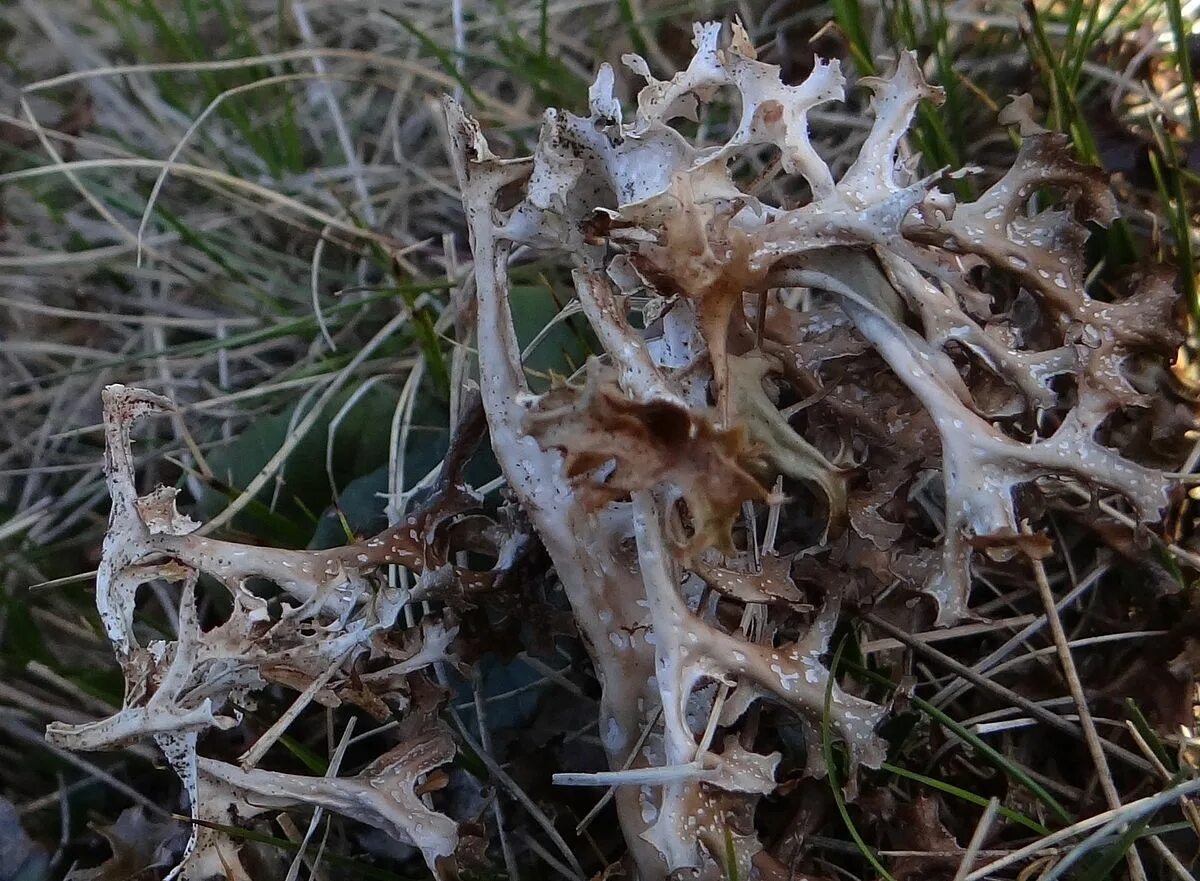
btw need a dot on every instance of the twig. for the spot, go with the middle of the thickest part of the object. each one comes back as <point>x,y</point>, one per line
<point>625,766</point>
<point>1087,724</point>
<point>24,734</point>
<point>335,762</point>
<point>521,796</point>
<point>254,754</point>
<point>977,838</point>
<point>485,740</point>
<point>1106,820</point>
<point>1038,712</point>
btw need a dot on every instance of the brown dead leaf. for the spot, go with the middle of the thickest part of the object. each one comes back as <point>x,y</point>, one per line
<point>649,444</point>
<point>140,847</point>
<point>918,827</point>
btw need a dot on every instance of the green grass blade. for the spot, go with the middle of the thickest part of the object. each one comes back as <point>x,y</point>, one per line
<point>307,757</point>
<point>848,15</point>
<point>1175,203</point>
<point>1183,61</point>
<point>980,746</point>
<point>1102,865</point>
<point>1148,733</point>
<point>445,57</point>
<point>636,37</point>
<point>831,772</point>
<point>966,795</point>
<point>731,863</point>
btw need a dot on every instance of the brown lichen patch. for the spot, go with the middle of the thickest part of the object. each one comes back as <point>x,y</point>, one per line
<point>648,444</point>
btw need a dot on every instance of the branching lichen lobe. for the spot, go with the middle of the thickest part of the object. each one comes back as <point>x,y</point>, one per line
<point>864,305</point>
<point>645,213</point>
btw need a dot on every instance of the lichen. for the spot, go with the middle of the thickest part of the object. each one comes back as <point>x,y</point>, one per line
<point>641,480</point>
<point>640,210</point>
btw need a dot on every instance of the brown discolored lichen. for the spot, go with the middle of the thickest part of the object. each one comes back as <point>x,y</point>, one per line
<point>613,446</point>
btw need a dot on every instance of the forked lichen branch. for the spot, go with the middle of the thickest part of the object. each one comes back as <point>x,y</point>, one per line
<point>638,479</point>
